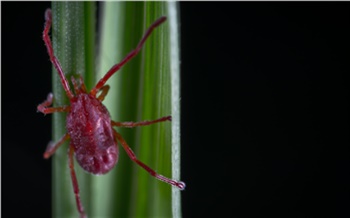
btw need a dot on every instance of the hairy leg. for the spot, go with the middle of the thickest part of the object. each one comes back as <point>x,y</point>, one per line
<point>142,123</point>
<point>75,182</point>
<point>45,109</point>
<point>128,57</point>
<point>179,184</point>
<point>52,147</point>
<point>104,92</point>
<point>54,60</point>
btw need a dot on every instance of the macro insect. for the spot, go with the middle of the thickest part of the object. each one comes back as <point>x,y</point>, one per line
<point>93,141</point>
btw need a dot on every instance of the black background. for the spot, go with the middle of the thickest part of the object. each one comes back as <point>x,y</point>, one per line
<point>265,126</point>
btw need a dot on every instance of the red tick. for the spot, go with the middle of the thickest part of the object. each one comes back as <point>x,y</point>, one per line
<point>93,141</point>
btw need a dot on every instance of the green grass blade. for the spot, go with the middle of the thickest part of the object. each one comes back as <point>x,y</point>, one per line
<point>143,90</point>
<point>73,36</point>
<point>146,88</point>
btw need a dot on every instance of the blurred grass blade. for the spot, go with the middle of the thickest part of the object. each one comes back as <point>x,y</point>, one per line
<point>73,37</point>
<point>142,90</point>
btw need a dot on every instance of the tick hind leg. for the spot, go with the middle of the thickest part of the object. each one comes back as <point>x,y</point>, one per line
<point>45,109</point>
<point>142,123</point>
<point>179,184</point>
<point>75,182</point>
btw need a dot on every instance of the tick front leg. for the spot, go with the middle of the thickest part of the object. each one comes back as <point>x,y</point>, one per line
<point>128,57</point>
<point>179,184</point>
<point>75,182</point>
<point>52,147</point>
<point>53,58</point>
<point>43,107</point>
<point>142,123</point>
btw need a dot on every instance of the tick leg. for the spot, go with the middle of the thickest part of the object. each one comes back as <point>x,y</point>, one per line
<point>132,54</point>
<point>104,92</point>
<point>180,185</point>
<point>52,147</point>
<point>43,107</point>
<point>75,182</point>
<point>142,123</point>
<point>54,60</point>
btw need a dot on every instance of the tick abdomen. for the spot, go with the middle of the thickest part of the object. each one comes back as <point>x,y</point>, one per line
<point>89,127</point>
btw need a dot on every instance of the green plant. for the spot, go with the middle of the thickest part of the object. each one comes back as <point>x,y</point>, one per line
<point>146,88</point>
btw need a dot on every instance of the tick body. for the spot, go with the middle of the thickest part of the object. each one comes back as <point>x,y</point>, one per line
<point>91,133</point>
<point>93,141</point>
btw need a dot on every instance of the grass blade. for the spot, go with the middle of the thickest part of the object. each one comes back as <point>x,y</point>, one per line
<point>73,44</point>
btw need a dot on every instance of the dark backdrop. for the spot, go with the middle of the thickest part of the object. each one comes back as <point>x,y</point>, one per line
<point>265,126</point>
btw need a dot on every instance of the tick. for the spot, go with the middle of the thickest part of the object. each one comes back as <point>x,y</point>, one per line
<point>93,141</point>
